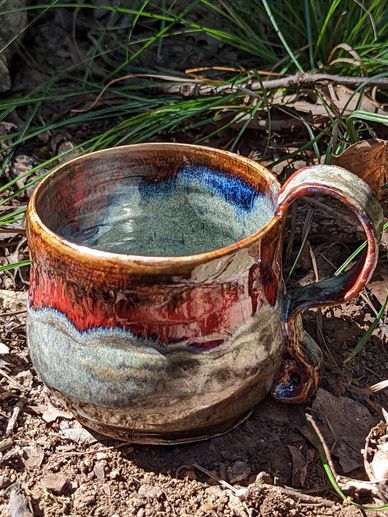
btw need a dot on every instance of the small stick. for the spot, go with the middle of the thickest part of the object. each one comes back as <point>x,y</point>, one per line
<point>5,444</point>
<point>306,498</point>
<point>14,417</point>
<point>95,451</point>
<point>295,81</point>
<point>329,210</point>
<point>219,480</point>
<point>4,314</point>
<point>12,230</point>
<point>11,381</point>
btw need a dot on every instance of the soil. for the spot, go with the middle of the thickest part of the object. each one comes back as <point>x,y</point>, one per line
<point>268,466</point>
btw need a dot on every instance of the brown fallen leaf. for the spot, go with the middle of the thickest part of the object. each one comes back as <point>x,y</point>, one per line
<point>344,424</point>
<point>379,288</point>
<point>367,159</point>
<point>299,466</point>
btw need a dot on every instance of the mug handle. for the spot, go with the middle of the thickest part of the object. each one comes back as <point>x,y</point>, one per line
<point>299,372</point>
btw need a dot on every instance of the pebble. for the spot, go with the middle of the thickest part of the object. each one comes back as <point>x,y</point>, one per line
<point>54,483</point>
<point>263,478</point>
<point>151,492</point>
<point>240,472</point>
<point>4,349</point>
<point>114,474</point>
<point>102,456</point>
<point>99,472</point>
<point>4,481</point>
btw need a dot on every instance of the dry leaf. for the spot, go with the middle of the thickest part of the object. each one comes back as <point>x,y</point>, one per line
<point>78,435</point>
<point>52,413</point>
<point>299,466</point>
<point>379,289</point>
<point>344,425</point>
<point>367,159</point>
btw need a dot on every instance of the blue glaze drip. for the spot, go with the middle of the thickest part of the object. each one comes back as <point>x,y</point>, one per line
<point>232,189</point>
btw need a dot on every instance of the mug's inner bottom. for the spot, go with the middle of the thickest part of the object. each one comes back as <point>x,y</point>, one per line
<point>194,211</point>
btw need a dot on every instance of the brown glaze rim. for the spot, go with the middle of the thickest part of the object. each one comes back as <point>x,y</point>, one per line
<point>103,260</point>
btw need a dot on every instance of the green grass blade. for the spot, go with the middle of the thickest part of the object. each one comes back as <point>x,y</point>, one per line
<point>365,338</point>
<point>350,259</point>
<point>281,37</point>
<point>9,267</point>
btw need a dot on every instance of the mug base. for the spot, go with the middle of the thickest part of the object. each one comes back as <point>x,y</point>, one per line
<point>199,435</point>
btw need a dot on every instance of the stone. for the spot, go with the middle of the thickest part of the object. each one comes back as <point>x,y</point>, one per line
<point>263,478</point>
<point>114,474</point>
<point>99,472</point>
<point>240,472</point>
<point>151,492</point>
<point>55,483</point>
<point>4,349</point>
<point>4,482</point>
<point>33,456</point>
<point>102,456</point>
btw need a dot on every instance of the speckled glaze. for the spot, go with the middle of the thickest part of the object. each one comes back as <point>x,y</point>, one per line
<point>178,348</point>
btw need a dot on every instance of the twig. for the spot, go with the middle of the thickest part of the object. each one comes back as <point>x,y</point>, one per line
<point>216,478</point>
<point>343,483</point>
<point>5,444</point>
<point>169,78</point>
<point>306,498</point>
<point>292,81</point>
<point>14,313</point>
<point>326,208</point>
<point>14,417</point>
<point>7,231</point>
<point>198,87</point>
<point>95,451</point>
<point>11,381</point>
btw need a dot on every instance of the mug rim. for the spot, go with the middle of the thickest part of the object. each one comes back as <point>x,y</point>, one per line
<point>75,251</point>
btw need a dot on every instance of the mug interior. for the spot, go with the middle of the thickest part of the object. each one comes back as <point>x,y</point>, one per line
<point>159,200</point>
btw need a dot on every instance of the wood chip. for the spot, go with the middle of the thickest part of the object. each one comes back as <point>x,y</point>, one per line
<point>78,435</point>
<point>14,417</point>
<point>5,444</point>
<point>52,413</point>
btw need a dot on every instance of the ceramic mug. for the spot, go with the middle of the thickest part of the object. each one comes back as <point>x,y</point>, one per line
<point>165,349</point>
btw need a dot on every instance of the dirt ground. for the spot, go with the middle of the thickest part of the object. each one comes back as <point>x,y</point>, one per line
<point>268,466</point>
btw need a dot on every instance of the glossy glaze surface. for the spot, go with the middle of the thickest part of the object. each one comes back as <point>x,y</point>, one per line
<point>194,211</point>
<point>154,349</point>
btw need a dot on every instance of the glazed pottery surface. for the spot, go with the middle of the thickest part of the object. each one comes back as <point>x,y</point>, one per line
<point>157,309</point>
